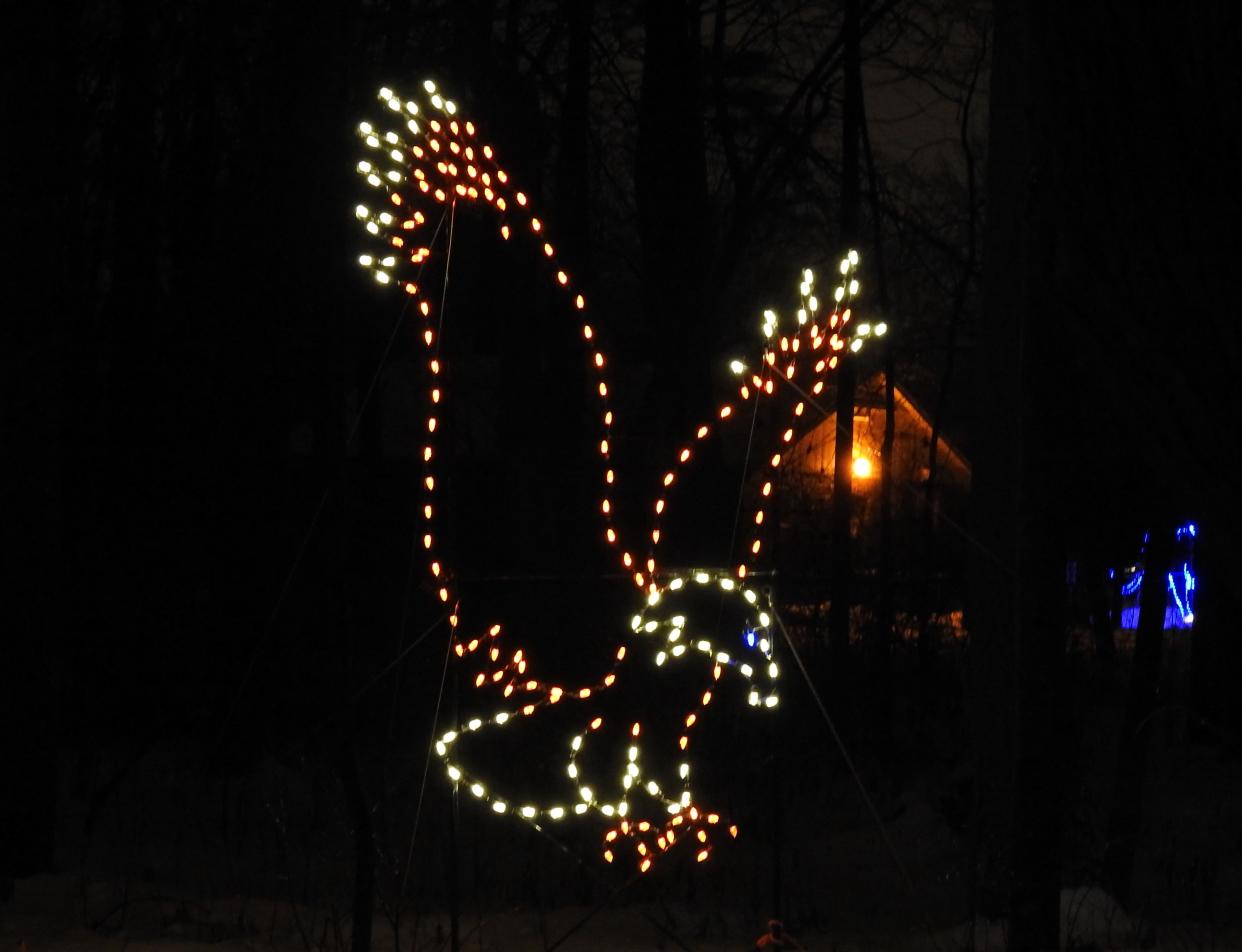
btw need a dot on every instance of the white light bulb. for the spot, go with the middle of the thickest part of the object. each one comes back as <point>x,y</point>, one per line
<point>454,773</point>
<point>853,287</point>
<point>838,294</point>
<point>477,790</point>
<point>429,86</point>
<point>361,211</point>
<point>881,329</point>
<point>864,330</point>
<point>853,256</point>
<point>855,346</point>
<point>808,275</point>
<point>385,93</point>
<point>365,260</point>
<point>737,366</point>
<point>845,265</point>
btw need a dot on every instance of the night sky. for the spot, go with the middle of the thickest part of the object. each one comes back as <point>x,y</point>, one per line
<point>226,651</point>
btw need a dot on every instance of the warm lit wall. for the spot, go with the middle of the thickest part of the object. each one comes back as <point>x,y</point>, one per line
<point>813,456</point>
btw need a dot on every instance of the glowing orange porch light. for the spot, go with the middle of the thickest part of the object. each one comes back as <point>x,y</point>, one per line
<point>862,468</point>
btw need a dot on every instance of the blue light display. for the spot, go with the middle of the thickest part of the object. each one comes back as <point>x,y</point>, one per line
<point>1180,610</point>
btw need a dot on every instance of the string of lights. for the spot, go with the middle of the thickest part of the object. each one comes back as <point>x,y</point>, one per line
<point>430,157</point>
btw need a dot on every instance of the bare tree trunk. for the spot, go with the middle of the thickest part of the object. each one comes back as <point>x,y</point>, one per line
<point>1126,814</point>
<point>671,191</point>
<point>1044,410</point>
<point>1098,600</point>
<point>931,503</point>
<point>842,473</point>
<point>573,179</point>
<point>884,635</point>
<point>992,667</point>
<point>364,847</point>
<point>1043,731</point>
<point>37,414</point>
<point>1216,651</point>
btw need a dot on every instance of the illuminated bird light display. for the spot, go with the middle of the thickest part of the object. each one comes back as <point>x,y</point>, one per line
<point>421,159</point>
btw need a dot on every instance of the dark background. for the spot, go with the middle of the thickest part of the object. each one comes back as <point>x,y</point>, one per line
<point>208,414</point>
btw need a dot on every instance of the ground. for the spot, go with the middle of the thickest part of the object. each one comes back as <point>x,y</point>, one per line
<point>47,915</point>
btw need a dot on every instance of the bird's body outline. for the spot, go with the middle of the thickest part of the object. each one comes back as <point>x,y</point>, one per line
<point>439,158</point>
